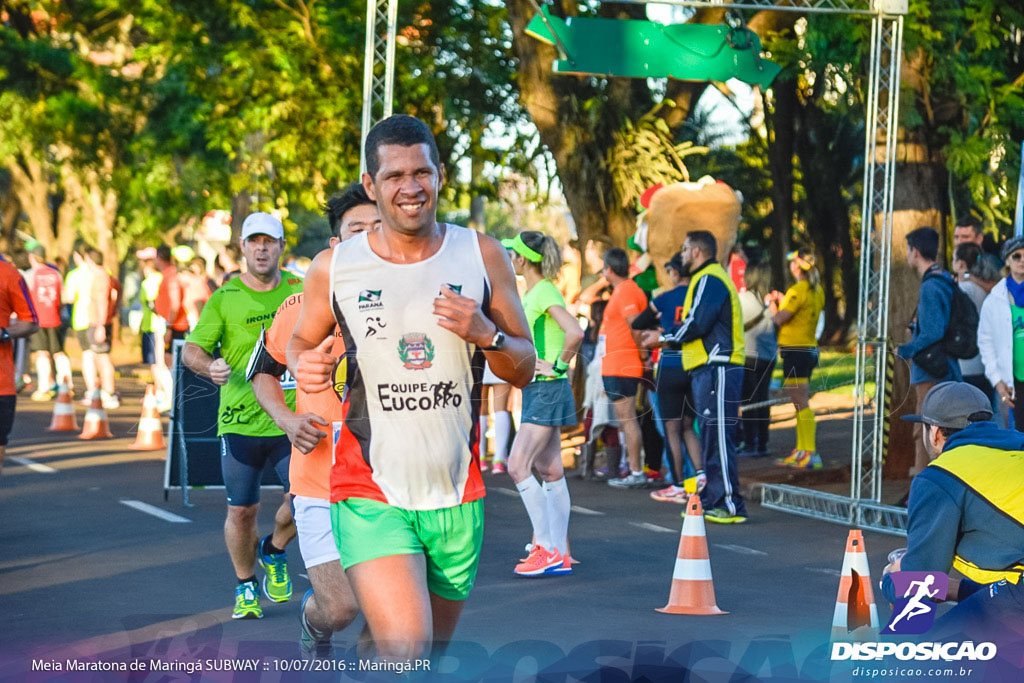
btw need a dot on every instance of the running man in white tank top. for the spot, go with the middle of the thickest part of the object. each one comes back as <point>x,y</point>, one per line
<point>421,305</point>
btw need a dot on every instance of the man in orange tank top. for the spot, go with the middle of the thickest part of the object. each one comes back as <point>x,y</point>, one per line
<point>330,605</point>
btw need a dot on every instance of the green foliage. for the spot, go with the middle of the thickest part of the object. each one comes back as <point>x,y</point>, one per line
<point>646,154</point>
<point>971,55</point>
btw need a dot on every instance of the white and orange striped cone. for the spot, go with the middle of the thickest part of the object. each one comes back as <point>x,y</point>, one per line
<point>856,616</point>
<point>693,591</point>
<point>96,425</point>
<point>150,436</point>
<point>63,412</point>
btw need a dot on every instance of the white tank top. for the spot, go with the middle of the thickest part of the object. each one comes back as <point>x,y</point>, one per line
<point>411,399</point>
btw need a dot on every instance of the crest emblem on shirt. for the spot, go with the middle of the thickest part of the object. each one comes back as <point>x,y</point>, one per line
<point>416,351</point>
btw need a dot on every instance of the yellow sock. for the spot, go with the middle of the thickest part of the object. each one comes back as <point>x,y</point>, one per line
<point>806,429</point>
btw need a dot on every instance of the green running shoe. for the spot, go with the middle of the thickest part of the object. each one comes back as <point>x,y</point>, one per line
<point>277,585</point>
<point>247,602</point>
<point>722,516</point>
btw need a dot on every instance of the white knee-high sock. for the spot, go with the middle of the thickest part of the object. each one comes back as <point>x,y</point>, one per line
<point>558,512</point>
<point>502,435</point>
<point>63,364</point>
<point>43,372</point>
<point>535,501</point>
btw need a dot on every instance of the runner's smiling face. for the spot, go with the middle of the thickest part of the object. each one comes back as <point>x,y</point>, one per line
<point>262,254</point>
<point>405,188</point>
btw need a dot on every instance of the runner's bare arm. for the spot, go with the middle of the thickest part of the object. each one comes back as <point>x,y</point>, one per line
<point>200,362</point>
<point>308,359</point>
<point>300,429</point>
<point>516,361</point>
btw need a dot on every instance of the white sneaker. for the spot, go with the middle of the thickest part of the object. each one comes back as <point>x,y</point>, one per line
<point>110,401</point>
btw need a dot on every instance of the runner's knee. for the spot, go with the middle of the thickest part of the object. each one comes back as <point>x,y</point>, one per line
<point>242,514</point>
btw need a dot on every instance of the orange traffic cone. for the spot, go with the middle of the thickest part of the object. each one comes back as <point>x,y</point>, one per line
<point>693,591</point>
<point>856,616</point>
<point>63,412</point>
<point>96,425</point>
<point>150,436</point>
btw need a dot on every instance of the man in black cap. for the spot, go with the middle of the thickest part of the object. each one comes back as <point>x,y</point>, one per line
<point>966,511</point>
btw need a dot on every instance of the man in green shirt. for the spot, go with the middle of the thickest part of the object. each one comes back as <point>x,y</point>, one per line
<point>76,292</point>
<point>233,319</point>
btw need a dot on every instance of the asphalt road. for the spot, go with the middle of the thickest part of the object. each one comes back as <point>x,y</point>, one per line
<point>85,576</point>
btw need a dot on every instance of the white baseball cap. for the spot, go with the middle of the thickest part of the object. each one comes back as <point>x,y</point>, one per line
<point>261,223</point>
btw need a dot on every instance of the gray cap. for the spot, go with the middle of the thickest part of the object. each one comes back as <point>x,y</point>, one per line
<point>953,405</point>
<point>1011,245</point>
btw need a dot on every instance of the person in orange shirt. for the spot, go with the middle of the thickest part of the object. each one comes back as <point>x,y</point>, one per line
<point>14,301</point>
<point>170,298</point>
<point>330,605</point>
<point>622,366</point>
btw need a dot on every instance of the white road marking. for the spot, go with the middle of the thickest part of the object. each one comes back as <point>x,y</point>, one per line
<point>33,465</point>
<point>654,527</point>
<point>822,570</point>
<point>585,511</point>
<point>155,511</point>
<point>741,549</point>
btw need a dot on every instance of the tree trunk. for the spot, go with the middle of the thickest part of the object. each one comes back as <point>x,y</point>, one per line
<point>781,140</point>
<point>919,201</point>
<point>241,206</point>
<point>31,185</point>
<point>10,212</point>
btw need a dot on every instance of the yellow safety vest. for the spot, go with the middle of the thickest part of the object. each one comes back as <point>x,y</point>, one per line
<point>695,353</point>
<point>996,476</point>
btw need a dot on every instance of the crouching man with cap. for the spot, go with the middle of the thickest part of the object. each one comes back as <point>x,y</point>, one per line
<point>966,512</point>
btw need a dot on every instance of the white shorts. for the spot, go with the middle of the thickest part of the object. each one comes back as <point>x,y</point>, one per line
<point>313,524</point>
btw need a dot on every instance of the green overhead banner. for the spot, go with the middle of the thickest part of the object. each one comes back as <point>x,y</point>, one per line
<point>645,49</point>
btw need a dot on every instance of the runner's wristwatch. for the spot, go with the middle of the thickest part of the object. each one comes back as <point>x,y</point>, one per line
<point>498,343</point>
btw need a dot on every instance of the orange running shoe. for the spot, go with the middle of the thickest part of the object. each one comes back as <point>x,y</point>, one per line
<point>539,561</point>
<point>791,459</point>
<point>808,460</point>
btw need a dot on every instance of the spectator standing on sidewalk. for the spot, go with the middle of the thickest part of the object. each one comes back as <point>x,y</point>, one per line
<point>711,337</point>
<point>929,363</point>
<point>796,317</point>
<point>967,256</point>
<point>1001,334</point>
<point>622,366</point>
<point>761,348</point>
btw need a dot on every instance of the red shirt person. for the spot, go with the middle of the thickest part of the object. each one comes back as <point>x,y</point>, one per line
<point>15,300</point>
<point>170,299</point>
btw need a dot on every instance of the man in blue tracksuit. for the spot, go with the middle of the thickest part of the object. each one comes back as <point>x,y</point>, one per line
<point>929,326</point>
<point>711,342</point>
<point>966,512</point>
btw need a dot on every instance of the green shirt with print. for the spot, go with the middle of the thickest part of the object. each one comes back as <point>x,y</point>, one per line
<point>1017,318</point>
<point>233,318</point>
<point>548,335</point>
